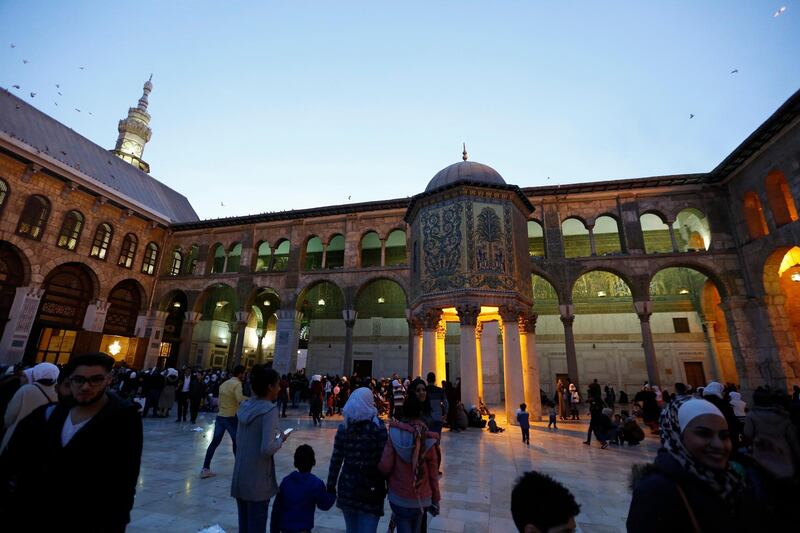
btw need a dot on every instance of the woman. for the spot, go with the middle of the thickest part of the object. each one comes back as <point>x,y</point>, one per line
<point>357,450</point>
<point>650,409</point>
<point>561,400</point>
<point>420,389</point>
<point>575,401</point>
<point>257,440</point>
<point>167,397</point>
<point>691,486</point>
<point>315,400</point>
<point>40,390</point>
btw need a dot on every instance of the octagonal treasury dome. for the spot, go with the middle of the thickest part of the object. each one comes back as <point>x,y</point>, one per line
<point>466,171</point>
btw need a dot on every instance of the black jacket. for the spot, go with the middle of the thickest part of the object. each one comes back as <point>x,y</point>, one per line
<point>89,484</point>
<point>357,450</point>
<point>657,506</point>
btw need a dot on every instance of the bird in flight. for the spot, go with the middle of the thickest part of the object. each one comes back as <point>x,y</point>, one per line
<point>691,115</point>
<point>24,61</point>
<point>780,11</point>
<point>78,110</point>
<point>59,93</point>
<point>33,95</point>
<point>58,86</point>
<point>735,71</point>
<point>349,197</point>
<point>15,86</point>
<point>222,204</point>
<point>80,68</point>
<point>13,45</point>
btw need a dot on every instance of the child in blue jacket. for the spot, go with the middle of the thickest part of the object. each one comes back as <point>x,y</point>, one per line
<point>299,494</point>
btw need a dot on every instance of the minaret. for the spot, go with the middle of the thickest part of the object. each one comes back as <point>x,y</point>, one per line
<point>134,132</point>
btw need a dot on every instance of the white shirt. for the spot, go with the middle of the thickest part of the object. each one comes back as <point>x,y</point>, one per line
<point>186,382</point>
<point>69,430</point>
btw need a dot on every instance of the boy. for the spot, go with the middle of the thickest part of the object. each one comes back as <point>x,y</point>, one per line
<point>552,421</point>
<point>540,504</point>
<point>493,428</point>
<point>300,492</point>
<point>523,418</point>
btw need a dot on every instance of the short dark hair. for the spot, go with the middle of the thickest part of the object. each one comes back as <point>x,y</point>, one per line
<point>261,378</point>
<point>304,459</point>
<point>91,359</point>
<point>431,377</point>
<point>541,501</point>
<point>680,388</point>
<point>523,406</point>
<point>238,370</point>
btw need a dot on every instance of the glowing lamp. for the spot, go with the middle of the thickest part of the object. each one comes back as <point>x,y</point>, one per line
<point>601,294</point>
<point>115,348</point>
<point>796,276</point>
<point>321,302</point>
<point>381,300</point>
<point>683,291</point>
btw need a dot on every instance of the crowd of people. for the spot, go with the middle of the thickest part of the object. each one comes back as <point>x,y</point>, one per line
<point>723,465</point>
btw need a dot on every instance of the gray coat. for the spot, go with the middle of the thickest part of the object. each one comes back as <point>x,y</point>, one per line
<point>254,471</point>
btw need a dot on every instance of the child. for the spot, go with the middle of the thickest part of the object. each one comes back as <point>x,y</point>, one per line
<point>493,425</point>
<point>300,492</point>
<point>539,503</point>
<point>552,421</point>
<point>524,423</point>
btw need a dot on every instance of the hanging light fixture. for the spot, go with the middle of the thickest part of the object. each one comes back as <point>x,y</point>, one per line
<point>381,299</point>
<point>266,303</point>
<point>601,294</point>
<point>795,276</point>
<point>176,304</point>
<point>115,348</point>
<point>683,291</point>
<point>321,302</point>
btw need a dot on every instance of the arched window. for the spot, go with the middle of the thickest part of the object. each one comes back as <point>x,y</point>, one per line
<point>128,251</point>
<point>691,230</point>
<point>102,239</point>
<point>281,260</point>
<point>396,248</point>
<point>606,236</point>
<point>370,250</point>
<point>70,231</point>
<point>234,258</point>
<point>334,255</point>
<point>150,258</point>
<point>177,261</point>
<point>3,194</point>
<point>313,254</point>
<point>780,198</point>
<point>263,257</point>
<point>191,260</point>
<point>34,217</point>
<point>535,239</point>
<point>218,259</point>
<point>576,238</point>
<point>754,215</point>
<point>656,234</point>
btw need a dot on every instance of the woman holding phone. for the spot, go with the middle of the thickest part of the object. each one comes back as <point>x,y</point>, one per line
<point>258,438</point>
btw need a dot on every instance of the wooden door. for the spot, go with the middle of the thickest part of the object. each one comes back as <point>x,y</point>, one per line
<point>695,376</point>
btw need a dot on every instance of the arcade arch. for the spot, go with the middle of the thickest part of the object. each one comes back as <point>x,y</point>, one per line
<point>606,236</point>
<point>781,279</point>
<point>781,203</point>
<point>370,250</point>
<point>12,277</point>
<point>396,248</point>
<point>656,234</point>
<point>322,326</point>
<point>754,215</point>
<point>576,240</point>
<point>334,253</point>
<point>536,247</point>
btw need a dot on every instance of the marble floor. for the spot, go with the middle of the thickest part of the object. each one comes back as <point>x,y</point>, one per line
<point>479,471</point>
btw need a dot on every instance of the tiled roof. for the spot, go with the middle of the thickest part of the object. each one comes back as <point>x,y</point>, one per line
<point>24,122</point>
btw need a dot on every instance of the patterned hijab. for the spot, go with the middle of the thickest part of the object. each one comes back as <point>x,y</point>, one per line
<point>727,483</point>
<point>360,406</point>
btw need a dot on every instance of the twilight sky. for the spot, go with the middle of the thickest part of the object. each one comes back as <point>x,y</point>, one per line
<point>269,106</point>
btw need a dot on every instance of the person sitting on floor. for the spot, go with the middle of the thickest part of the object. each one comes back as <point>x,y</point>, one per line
<point>493,427</point>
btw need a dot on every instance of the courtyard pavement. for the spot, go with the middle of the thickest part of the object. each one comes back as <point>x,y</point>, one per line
<point>479,470</point>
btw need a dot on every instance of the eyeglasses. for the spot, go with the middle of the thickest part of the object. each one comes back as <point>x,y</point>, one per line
<point>94,381</point>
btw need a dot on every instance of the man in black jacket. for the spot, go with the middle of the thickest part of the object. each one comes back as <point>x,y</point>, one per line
<point>82,457</point>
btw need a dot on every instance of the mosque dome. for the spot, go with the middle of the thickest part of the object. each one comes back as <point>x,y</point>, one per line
<point>465,171</point>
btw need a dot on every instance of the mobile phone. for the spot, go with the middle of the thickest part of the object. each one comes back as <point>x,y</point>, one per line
<point>287,431</point>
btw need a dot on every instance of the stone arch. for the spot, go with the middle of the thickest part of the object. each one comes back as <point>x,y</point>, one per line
<point>655,232</point>
<point>262,258</point>
<point>546,298</point>
<point>369,247</point>
<point>779,197</point>
<point>23,268</point>
<point>334,252</point>
<point>126,300</point>
<point>234,257</point>
<point>381,297</point>
<point>692,230</point>
<point>536,239</point>
<point>575,236</point>
<point>215,290</point>
<point>258,295</point>
<point>168,300</point>
<point>333,293</point>
<point>722,286</point>
<point>754,215</point>
<point>386,277</point>
<point>396,248</point>
<point>606,234</point>
<point>216,258</point>
<point>14,273</point>
<point>313,251</point>
<point>624,276</point>
<point>280,255</point>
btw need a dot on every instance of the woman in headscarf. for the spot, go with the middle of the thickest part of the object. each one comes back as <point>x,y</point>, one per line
<point>167,398</point>
<point>692,485</point>
<point>357,449</point>
<point>40,390</point>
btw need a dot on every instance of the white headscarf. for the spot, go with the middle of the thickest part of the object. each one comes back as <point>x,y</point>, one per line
<point>44,371</point>
<point>360,406</point>
<point>28,372</point>
<point>713,389</point>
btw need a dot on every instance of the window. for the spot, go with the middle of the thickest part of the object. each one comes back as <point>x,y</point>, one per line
<point>655,233</point>
<point>371,250</point>
<point>218,259</point>
<point>780,198</point>
<point>681,325</point>
<point>102,239</point>
<point>535,239</point>
<point>191,261</point>
<point>234,258</point>
<point>281,260</point>
<point>263,258</point>
<point>128,251</point>
<point>150,258</point>
<point>3,193</point>
<point>70,231</point>
<point>334,255</point>
<point>606,236</point>
<point>177,261</point>
<point>575,236</point>
<point>313,254</point>
<point>396,248</point>
<point>33,218</point>
<point>754,216</point>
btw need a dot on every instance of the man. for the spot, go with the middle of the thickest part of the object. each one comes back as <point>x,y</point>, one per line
<point>87,449</point>
<point>230,396</point>
<point>539,504</point>
<point>182,394</point>
<point>438,403</point>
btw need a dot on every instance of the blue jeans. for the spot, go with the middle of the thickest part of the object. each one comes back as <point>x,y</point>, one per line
<point>360,522</point>
<point>221,425</point>
<point>252,516</point>
<point>407,519</point>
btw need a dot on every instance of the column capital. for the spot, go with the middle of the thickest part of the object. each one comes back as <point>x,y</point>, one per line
<point>349,316</point>
<point>242,317</point>
<point>567,320</point>
<point>191,317</point>
<point>441,330</point>
<point>288,314</point>
<point>478,330</point>
<point>509,313</point>
<point>644,309</point>
<point>468,314</point>
<point>429,317</point>
<point>527,323</point>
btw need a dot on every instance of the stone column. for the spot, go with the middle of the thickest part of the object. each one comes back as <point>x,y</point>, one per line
<point>349,316</point>
<point>185,355</point>
<point>20,321</point>
<point>468,316</point>
<point>530,364</point>
<point>644,309</point>
<point>430,322</point>
<point>713,356</point>
<point>241,325</point>
<point>512,362</point>
<point>286,337</point>
<point>672,237</point>
<point>154,327</point>
<point>416,348</point>
<point>490,365</point>
<point>567,318</point>
<point>260,333</point>
<point>478,357</point>
<point>592,245</point>
<point>383,252</point>
<point>95,317</point>
<point>440,366</point>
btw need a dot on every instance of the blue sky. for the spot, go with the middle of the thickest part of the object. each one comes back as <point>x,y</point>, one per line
<point>269,106</point>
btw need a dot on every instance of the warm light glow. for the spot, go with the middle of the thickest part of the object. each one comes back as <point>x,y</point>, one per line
<point>266,303</point>
<point>381,299</point>
<point>220,304</point>
<point>321,302</point>
<point>683,291</point>
<point>485,310</point>
<point>601,294</point>
<point>796,276</point>
<point>792,258</point>
<point>114,348</point>
<point>176,304</point>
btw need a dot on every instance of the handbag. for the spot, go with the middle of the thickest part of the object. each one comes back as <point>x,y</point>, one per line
<point>371,488</point>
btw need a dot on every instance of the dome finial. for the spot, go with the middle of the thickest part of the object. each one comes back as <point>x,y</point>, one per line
<point>464,153</point>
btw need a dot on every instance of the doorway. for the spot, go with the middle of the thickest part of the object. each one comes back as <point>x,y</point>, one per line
<point>695,375</point>
<point>362,368</point>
